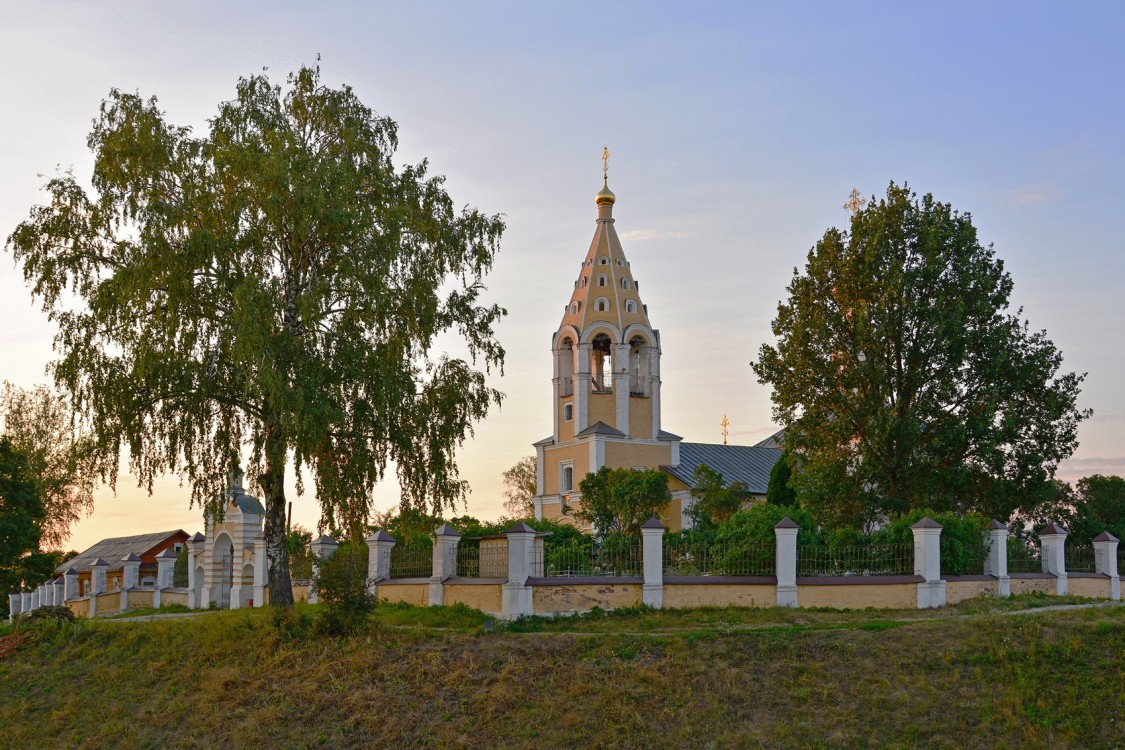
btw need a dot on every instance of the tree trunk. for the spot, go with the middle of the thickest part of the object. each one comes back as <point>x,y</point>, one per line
<point>273,484</point>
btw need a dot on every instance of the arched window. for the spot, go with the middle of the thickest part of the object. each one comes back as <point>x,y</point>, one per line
<point>601,279</point>
<point>630,306</point>
<point>620,261</point>
<point>602,305</point>
<point>573,308</point>
<point>583,281</point>
<point>624,283</point>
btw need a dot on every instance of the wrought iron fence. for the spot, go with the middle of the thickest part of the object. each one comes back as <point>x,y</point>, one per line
<point>589,560</point>
<point>482,562</point>
<point>856,560</point>
<point>412,562</point>
<point>1080,559</point>
<point>1024,557</point>
<point>959,558</point>
<point>702,559</point>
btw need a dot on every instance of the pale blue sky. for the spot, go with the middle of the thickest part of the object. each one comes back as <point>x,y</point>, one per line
<point>737,131</point>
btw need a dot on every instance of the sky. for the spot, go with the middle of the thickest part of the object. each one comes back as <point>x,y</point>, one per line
<point>737,132</point>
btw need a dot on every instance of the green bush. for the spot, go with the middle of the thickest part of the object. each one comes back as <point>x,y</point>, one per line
<point>342,586</point>
<point>962,540</point>
<point>755,525</point>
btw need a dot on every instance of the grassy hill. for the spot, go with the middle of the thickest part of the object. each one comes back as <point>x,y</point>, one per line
<point>974,675</point>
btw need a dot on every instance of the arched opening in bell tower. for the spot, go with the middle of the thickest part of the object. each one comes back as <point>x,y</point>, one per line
<point>640,367</point>
<point>601,363</point>
<point>566,367</point>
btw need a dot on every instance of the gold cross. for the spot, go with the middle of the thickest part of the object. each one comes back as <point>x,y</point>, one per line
<point>855,202</point>
<point>725,423</point>
<point>605,163</point>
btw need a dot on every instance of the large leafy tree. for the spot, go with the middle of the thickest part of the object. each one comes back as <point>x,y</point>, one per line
<point>269,293</point>
<point>519,488</point>
<point>903,379</point>
<point>61,459</point>
<point>715,499</point>
<point>620,500</point>
<point>22,513</point>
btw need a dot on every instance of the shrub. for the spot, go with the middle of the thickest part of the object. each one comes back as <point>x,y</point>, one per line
<point>962,541</point>
<point>46,615</point>
<point>756,525</point>
<point>342,586</point>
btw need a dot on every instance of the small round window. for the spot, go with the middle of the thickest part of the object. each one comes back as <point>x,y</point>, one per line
<point>603,261</point>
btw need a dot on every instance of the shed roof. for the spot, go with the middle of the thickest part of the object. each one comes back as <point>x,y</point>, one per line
<point>749,464</point>
<point>116,548</point>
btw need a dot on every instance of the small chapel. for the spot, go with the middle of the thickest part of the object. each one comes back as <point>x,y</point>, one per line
<point>606,392</point>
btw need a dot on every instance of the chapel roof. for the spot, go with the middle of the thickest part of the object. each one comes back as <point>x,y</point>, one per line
<point>749,464</point>
<point>116,548</point>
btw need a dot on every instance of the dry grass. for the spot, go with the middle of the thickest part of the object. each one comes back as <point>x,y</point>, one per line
<point>968,676</point>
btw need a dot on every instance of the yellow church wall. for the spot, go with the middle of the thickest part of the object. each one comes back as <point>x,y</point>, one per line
<point>566,427</point>
<point>671,515</point>
<point>859,596</point>
<point>640,417</point>
<point>959,591</point>
<point>628,455</point>
<point>578,453</point>
<point>1097,588</point>
<point>1040,585</point>
<point>140,599</point>
<point>485,597</point>
<point>675,484</point>
<point>719,595</point>
<point>559,599</point>
<point>410,593</point>
<point>602,408</point>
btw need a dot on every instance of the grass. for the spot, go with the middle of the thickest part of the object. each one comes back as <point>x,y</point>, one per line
<point>965,676</point>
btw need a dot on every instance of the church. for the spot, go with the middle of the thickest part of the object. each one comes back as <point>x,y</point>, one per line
<point>606,393</point>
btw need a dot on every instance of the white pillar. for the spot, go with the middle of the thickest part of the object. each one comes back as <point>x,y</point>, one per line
<point>652,556</point>
<point>516,598</point>
<point>379,546</point>
<point>785,561</point>
<point>1052,550</point>
<point>1105,561</point>
<point>621,383</point>
<point>130,577</point>
<point>996,562</point>
<point>165,573</point>
<point>195,547</point>
<point>60,591</point>
<point>321,548</point>
<point>444,561</point>
<point>70,584</point>
<point>927,563</point>
<point>97,583</point>
<point>15,605</point>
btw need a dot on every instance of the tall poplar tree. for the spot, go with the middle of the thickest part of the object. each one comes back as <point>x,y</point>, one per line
<point>904,381</point>
<point>268,293</point>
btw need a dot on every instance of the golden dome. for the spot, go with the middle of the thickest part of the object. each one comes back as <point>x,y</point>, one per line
<point>605,196</point>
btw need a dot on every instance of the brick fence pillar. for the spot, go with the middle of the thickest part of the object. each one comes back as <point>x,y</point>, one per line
<point>1105,561</point>
<point>652,557</point>
<point>15,605</point>
<point>165,573</point>
<point>785,562</point>
<point>444,561</point>
<point>927,563</point>
<point>195,547</point>
<point>379,546</point>
<point>515,595</point>
<point>130,577</point>
<point>996,562</point>
<point>70,584</point>
<point>322,549</point>
<point>1052,550</point>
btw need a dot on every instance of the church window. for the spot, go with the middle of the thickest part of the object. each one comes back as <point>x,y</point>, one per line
<point>620,261</point>
<point>573,308</point>
<point>566,477</point>
<point>601,279</point>
<point>630,306</point>
<point>583,281</point>
<point>601,363</point>
<point>602,304</point>
<point>603,261</point>
<point>568,412</point>
<point>624,283</point>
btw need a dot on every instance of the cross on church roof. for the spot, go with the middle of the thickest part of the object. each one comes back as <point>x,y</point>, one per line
<point>855,201</point>
<point>605,163</point>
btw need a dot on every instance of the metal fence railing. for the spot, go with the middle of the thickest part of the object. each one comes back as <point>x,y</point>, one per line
<point>412,562</point>
<point>702,559</point>
<point>583,560</point>
<point>959,558</point>
<point>856,560</point>
<point>1080,559</point>
<point>1024,557</point>
<point>482,562</point>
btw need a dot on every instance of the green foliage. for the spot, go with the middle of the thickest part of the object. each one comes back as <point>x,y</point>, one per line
<point>61,458</point>
<point>275,285</point>
<point>902,379</point>
<point>180,571</point>
<point>962,540</point>
<point>620,500</point>
<point>292,623</point>
<point>342,587</point>
<point>45,616</point>
<point>21,517</point>
<point>1095,504</point>
<point>519,488</point>
<point>297,541</point>
<point>715,500</point>
<point>755,526</point>
<point>780,489</point>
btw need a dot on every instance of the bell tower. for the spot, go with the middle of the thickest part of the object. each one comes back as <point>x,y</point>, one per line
<point>606,379</point>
